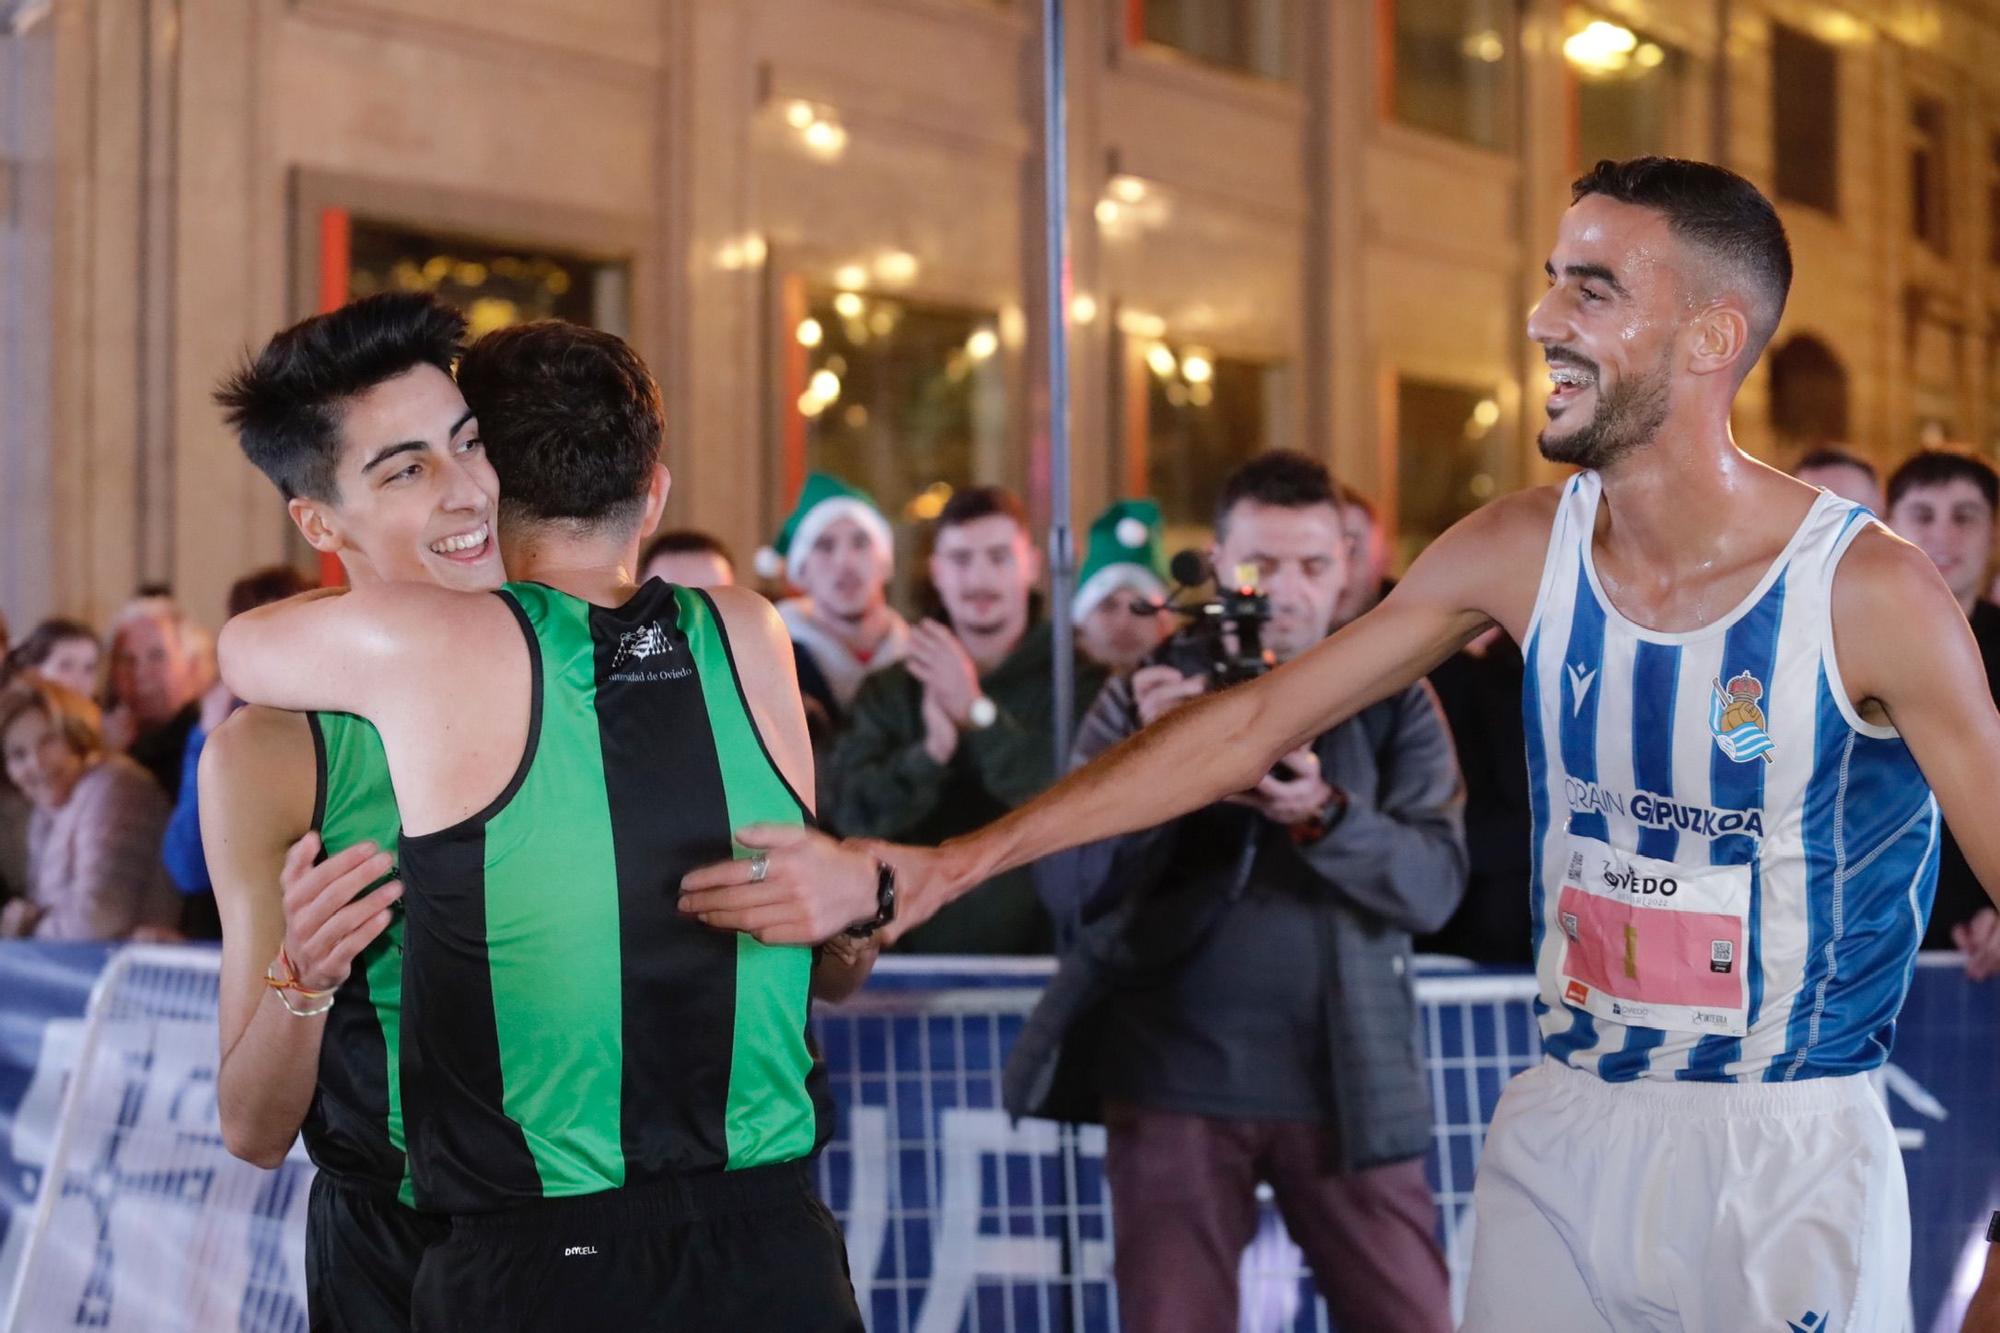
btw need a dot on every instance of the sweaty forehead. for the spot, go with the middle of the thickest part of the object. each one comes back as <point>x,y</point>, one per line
<point>1636,244</point>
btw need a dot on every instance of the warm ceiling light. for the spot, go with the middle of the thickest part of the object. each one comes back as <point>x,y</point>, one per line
<point>1161,358</point>
<point>1198,366</point>
<point>1083,308</point>
<point>850,277</point>
<point>799,115</point>
<point>982,344</point>
<point>810,333</point>
<point>1486,47</point>
<point>1600,48</point>
<point>896,266</point>
<point>1128,189</point>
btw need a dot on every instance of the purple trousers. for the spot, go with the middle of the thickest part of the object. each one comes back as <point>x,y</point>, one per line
<point>1184,1207</point>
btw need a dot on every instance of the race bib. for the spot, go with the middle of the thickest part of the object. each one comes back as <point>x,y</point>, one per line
<point>1653,944</point>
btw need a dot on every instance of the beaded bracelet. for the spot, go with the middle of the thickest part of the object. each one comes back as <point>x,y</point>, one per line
<point>318,1001</point>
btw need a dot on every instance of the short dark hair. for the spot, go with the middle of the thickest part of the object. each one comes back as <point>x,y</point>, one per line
<point>1283,478</point>
<point>571,418</point>
<point>1939,467</point>
<point>285,403</point>
<point>45,638</point>
<point>1831,457</point>
<point>1713,208</point>
<point>686,541</point>
<point>977,502</point>
<point>263,586</point>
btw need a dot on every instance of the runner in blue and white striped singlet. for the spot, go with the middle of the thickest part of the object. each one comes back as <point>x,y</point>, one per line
<point>1732,867</point>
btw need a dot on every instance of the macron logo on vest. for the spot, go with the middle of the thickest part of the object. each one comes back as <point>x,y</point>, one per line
<point>1579,686</point>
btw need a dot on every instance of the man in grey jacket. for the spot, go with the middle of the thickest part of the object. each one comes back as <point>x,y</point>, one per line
<point>1235,1001</point>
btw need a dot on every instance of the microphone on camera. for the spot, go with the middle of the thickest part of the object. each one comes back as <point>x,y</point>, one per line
<point>1189,568</point>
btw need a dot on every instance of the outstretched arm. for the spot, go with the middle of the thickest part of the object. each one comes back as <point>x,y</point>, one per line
<point>1483,571</point>
<point>1907,654</point>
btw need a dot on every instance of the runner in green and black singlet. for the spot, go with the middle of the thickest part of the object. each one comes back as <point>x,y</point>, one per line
<point>569,1030</point>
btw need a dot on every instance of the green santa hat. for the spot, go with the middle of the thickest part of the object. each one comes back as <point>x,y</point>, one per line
<point>1123,552</point>
<point>822,500</point>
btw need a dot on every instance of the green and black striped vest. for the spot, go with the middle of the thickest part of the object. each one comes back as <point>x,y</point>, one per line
<point>567,1030</point>
<point>354,1129</point>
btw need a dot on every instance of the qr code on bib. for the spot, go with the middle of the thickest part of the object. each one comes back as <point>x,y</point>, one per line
<point>1721,955</point>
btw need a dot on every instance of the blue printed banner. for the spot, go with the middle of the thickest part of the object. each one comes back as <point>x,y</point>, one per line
<point>956,1218</point>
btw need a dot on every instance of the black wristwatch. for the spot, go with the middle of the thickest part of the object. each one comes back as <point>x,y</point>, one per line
<point>885,903</point>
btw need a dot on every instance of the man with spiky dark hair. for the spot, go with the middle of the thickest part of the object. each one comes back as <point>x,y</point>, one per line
<point>354,416</point>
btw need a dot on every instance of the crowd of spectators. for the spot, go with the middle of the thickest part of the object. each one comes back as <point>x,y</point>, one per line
<point>922,727</point>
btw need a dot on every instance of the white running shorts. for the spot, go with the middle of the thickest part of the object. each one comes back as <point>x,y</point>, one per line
<point>1691,1207</point>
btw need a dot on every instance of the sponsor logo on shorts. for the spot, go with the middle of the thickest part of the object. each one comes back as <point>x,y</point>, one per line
<point>1709,1018</point>
<point>570,1251</point>
<point>1631,1013</point>
<point>1578,993</point>
<point>1810,1322</point>
<point>1570,926</point>
<point>1721,955</point>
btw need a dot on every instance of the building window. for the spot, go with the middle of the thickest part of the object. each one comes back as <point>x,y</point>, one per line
<point>494,284</point>
<point>1805,118</point>
<point>1454,69</point>
<point>1250,36</point>
<point>1929,182</point>
<point>1627,90</point>
<point>1452,456</point>
<point>1205,416</point>
<point>906,400</point>
<point>1808,393</point>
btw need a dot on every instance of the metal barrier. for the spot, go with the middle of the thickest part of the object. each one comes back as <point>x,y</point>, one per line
<point>956,1219</point>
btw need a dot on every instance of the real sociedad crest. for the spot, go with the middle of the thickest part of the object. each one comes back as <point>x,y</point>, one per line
<point>1737,723</point>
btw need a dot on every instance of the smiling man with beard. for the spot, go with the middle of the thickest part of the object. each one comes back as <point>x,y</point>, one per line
<point>1700,1147</point>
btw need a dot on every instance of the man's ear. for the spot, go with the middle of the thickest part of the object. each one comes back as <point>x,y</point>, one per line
<point>315,525</point>
<point>658,487</point>
<point>1721,339</point>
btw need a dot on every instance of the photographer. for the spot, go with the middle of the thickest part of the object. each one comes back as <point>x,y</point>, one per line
<point>1235,1002</point>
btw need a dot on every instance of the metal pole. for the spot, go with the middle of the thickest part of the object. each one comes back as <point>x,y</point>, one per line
<point>1055,202</point>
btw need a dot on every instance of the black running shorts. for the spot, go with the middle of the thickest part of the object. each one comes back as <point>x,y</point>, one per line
<point>362,1251</point>
<point>737,1250</point>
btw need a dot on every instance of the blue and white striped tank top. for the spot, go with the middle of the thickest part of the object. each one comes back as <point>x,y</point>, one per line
<point>1732,869</point>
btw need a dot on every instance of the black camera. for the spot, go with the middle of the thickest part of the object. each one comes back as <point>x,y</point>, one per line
<point>1223,639</point>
